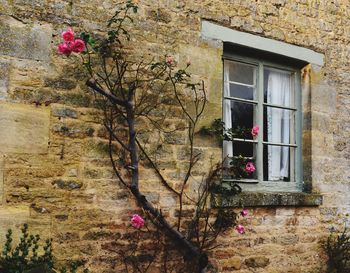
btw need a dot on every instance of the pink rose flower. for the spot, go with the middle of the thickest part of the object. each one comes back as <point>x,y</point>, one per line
<point>137,221</point>
<point>255,131</point>
<point>68,36</point>
<point>64,48</point>
<point>78,46</point>
<point>240,229</point>
<point>170,60</point>
<point>244,212</point>
<point>249,167</point>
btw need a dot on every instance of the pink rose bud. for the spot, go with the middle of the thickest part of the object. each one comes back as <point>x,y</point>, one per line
<point>240,229</point>
<point>170,60</point>
<point>188,63</point>
<point>244,212</point>
<point>255,130</point>
<point>137,221</point>
<point>68,36</point>
<point>64,48</point>
<point>78,46</point>
<point>249,167</point>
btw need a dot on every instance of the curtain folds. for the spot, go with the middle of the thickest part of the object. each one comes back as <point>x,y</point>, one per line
<point>227,115</point>
<point>278,124</point>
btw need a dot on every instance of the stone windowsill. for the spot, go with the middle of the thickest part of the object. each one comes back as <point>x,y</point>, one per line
<point>268,199</point>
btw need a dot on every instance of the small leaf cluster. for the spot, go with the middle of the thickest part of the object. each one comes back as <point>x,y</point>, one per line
<point>226,218</point>
<point>118,19</point>
<point>226,189</point>
<point>217,129</point>
<point>181,75</point>
<point>238,132</point>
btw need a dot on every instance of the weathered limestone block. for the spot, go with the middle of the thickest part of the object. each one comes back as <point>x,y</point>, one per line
<point>258,261</point>
<point>24,41</point>
<point>233,263</point>
<point>4,75</point>
<point>323,98</point>
<point>23,128</point>
<point>206,61</point>
<point>11,217</point>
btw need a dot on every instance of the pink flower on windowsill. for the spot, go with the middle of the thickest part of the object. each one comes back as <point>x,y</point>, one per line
<point>255,131</point>
<point>244,212</point>
<point>249,167</point>
<point>240,229</point>
<point>137,221</point>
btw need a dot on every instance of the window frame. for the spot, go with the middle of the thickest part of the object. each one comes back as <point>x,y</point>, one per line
<point>260,185</point>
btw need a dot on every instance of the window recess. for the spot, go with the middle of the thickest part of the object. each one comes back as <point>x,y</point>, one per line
<point>267,95</point>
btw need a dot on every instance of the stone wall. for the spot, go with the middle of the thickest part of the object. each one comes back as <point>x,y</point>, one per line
<point>55,175</point>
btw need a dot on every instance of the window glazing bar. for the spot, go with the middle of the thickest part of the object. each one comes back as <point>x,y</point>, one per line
<point>279,106</point>
<point>280,144</point>
<point>241,100</point>
<point>298,158</point>
<point>244,140</point>
<point>260,122</point>
<point>264,142</point>
<point>255,181</point>
<point>242,84</point>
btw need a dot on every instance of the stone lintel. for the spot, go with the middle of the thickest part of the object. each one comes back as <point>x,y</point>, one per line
<point>268,199</point>
<point>225,34</point>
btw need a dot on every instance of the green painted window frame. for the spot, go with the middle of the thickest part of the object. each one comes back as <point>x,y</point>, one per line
<point>260,185</point>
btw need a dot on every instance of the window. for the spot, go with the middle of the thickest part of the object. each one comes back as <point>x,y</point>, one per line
<point>265,95</point>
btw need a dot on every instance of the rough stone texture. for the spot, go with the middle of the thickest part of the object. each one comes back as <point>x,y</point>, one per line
<point>23,129</point>
<point>56,173</point>
<point>257,262</point>
<point>24,41</point>
<point>4,74</point>
<point>261,199</point>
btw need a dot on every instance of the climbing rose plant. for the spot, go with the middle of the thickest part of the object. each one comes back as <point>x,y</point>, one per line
<point>129,91</point>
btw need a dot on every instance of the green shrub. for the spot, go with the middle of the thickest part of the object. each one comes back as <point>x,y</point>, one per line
<point>338,251</point>
<point>25,257</point>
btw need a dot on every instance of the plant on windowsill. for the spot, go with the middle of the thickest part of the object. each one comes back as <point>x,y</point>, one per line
<point>241,168</point>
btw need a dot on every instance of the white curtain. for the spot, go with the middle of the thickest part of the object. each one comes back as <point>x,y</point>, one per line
<point>227,118</point>
<point>278,92</point>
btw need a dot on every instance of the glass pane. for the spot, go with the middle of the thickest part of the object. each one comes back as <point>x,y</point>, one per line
<point>245,149</point>
<point>240,91</point>
<point>279,126</point>
<point>239,118</point>
<point>278,88</point>
<point>279,163</point>
<point>240,72</point>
